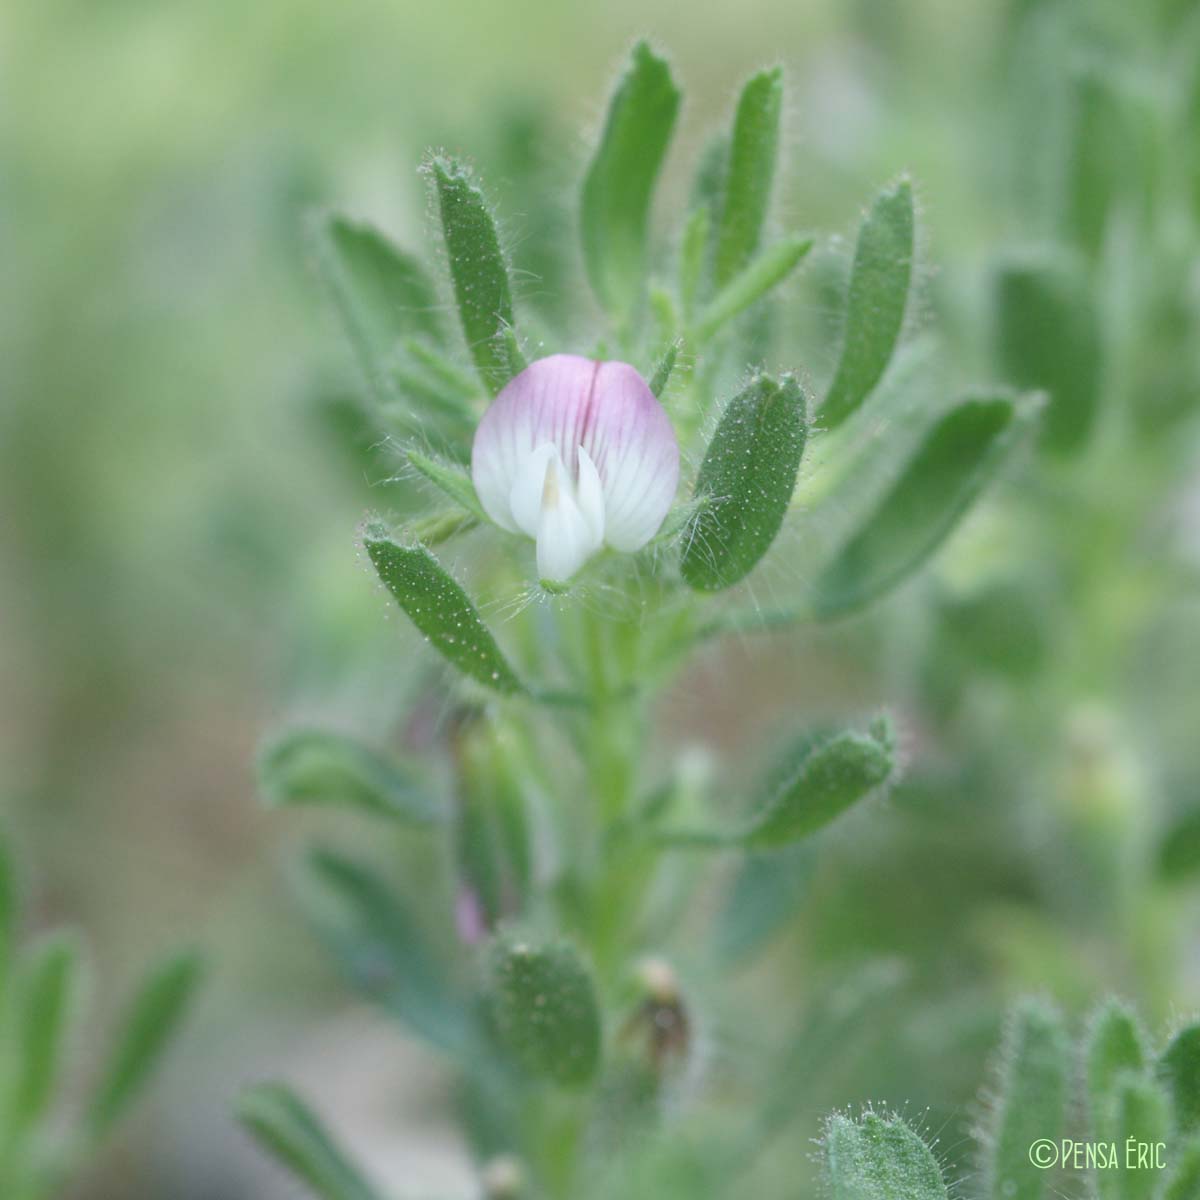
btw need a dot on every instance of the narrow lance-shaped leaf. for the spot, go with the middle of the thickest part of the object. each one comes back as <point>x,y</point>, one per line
<point>1179,1070</point>
<point>1048,338</point>
<point>395,324</point>
<point>435,401</point>
<point>452,479</point>
<point>751,284</point>
<point>753,150</point>
<point>1116,1061</point>
<point>1142,1124</point>
<point>456,382</point>
<point>154,1018</point>
<point>381,949</point>
<point>311,766</point>
<point>662,373</point>
<point>441,610</point>
<point>479,273</point>
<point>543,1008</point>
<point>381,293</point>
<point>437,527</point>
<point>620,180</point>
<point>879,1158</point>
<point>1115,1047</point>
<point>1030,1102</point>
<point>818,784</point>
<point>46,989</point>
<point>817,780</point>
<point>957,458</point>
<point>748,476</point>
<point>880,282</point>
<point>286,1128</point>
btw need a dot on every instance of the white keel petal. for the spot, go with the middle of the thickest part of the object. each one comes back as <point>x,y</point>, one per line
<point>566,539</point>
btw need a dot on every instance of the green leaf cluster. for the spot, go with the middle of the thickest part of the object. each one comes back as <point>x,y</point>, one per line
<point>43,989</point>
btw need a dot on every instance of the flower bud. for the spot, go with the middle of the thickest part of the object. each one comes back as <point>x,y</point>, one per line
<point>661,1022</point>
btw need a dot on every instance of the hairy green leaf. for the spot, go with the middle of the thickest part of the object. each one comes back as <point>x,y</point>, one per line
<point>880,282</point>
<point>1048,339</point>
<point>879,1157</point>
<point>949,469</point>
<point>382,294</point>
<point>479,273</point>
<point>452,479</point>
<point>153,1019</point>
<point>748,476</point>
<point>662,373</point>
<point>391,314</point>
<point>544,1009</point>
<point>311,766</point>
<point>818,784</point>
<point>620,180</point>
<point>1179,1070</point>
<point>437,527</point>
<point>1030,1102</point>
<point>287,1129</point>
<point>1115,1047</point>
<point>754,281</point>
<point>429,400</point>
<point>442,611</point>
<point>753,150</point>
<point>1116,1061</point>
<point>1142,1120</point>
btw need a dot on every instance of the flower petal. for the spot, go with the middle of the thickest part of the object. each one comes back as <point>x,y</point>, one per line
<point>538,405</point>
<point>613,443</point>
<point>591,495</point>
<point>635,451</point>
<point>525,498</point>
<point>566,539</point>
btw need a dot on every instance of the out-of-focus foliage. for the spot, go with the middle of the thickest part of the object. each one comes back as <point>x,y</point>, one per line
<point>42,996</point>
<point>186,444</point>
<point>1114,1114</point>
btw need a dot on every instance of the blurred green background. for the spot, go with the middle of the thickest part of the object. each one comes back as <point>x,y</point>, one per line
<point>180,484</point>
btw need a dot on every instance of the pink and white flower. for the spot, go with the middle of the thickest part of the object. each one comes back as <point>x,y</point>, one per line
<point>577,454</point>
